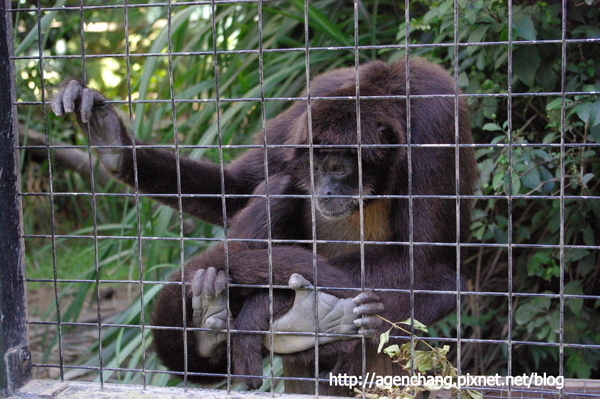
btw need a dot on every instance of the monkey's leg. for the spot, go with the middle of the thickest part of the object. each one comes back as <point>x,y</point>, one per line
<point>171,339</point>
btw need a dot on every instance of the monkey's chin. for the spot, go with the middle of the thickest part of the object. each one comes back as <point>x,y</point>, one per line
<point>336,211</point>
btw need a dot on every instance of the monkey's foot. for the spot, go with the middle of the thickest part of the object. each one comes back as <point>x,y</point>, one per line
<point>209,301</point>
<point>346,316</point>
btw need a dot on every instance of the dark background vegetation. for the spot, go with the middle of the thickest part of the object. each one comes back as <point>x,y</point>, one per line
<point>536,175</point>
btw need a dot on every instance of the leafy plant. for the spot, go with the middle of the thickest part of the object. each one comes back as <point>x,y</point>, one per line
<point>431,361</point>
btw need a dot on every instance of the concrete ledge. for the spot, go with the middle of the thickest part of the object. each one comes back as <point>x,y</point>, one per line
<point>46,389</point>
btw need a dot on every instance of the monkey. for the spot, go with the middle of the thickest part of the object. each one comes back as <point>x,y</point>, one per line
<point>107,128</point>
<point>372,181</point>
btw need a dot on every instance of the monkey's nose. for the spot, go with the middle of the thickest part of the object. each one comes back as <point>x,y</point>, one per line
<point>327,199</point>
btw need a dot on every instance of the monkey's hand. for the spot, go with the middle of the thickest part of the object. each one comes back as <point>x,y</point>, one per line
<point>348,316</point>
<point>209,302</point>
<point>96,117</point>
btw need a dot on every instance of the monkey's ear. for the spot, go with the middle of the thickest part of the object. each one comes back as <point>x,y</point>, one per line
<point>297,140</point>
<point>382,130</point>
<point>387,134</point>
<point>390,133</point>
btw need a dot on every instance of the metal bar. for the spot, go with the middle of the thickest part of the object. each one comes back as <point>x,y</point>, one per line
<point>15,366</point>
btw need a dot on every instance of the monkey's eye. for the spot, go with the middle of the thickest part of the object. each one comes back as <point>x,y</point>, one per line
<point>338,169</point>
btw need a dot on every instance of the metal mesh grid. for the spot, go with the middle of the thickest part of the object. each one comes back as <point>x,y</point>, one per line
<point>181,240</point>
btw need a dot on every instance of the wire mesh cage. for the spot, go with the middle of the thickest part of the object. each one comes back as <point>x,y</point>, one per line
<point>251,193</point>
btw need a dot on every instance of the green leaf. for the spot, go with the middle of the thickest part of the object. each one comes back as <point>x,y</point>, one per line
<point>491,127</point>
<point>392,351</point>
<point>578,365</point>
<point>321,23</point>
<point>554,320</point>
<point>587,264</point>
<point>32,36</point>
<point>586,178</point>
<point>556,104</point>
<point>501,60</point>
<point>575,304</point>
<point>478,34</point>
<point>443,351</point>
<point>498,180</point>
<point>595,114</point>
<point>515,182</point>
<point>471,394</point>
<point>547,76</point>
<point>575,254</point>
<point>418,325</point>
<point>384,338</point>
<point>523,24</point>
<point>538,260</point>
<point>588,235</point>
<point>525,313</point>
<point>531,179</point>
<point>543,333</point>
<point>526,62</point>
<point>423,361</point>
<point>547,177</point>
<point>584,111</point>
<point>542,304</point>
<point>463,80</point>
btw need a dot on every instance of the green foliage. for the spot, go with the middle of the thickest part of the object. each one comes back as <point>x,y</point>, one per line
<point>432,362</point>
<point>526,169</point>
<point>539,173</point>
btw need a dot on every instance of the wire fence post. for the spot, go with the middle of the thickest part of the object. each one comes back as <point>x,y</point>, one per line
<point>15,367</point>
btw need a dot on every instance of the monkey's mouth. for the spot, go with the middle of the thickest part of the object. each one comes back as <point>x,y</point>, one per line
<point>336,208</point>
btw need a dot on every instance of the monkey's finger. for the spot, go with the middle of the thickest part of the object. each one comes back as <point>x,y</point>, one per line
<point>89,98</point>
<point>221,282</point>
<point>368,332</point>
<point>197,303</point>
<point>368,322</point>
<point>208,282</point>
<point>367,325</point>
<point>297,281</point>
<point>197,282</point>
<point>366,297</point>
<point>370,308</point>
<point>71,94</point>
<point>57,104</point>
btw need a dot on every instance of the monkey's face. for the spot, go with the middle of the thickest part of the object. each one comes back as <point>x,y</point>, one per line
<point>336,183</point>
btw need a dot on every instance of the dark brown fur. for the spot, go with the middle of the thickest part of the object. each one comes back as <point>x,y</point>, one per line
<point>385,172</point>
